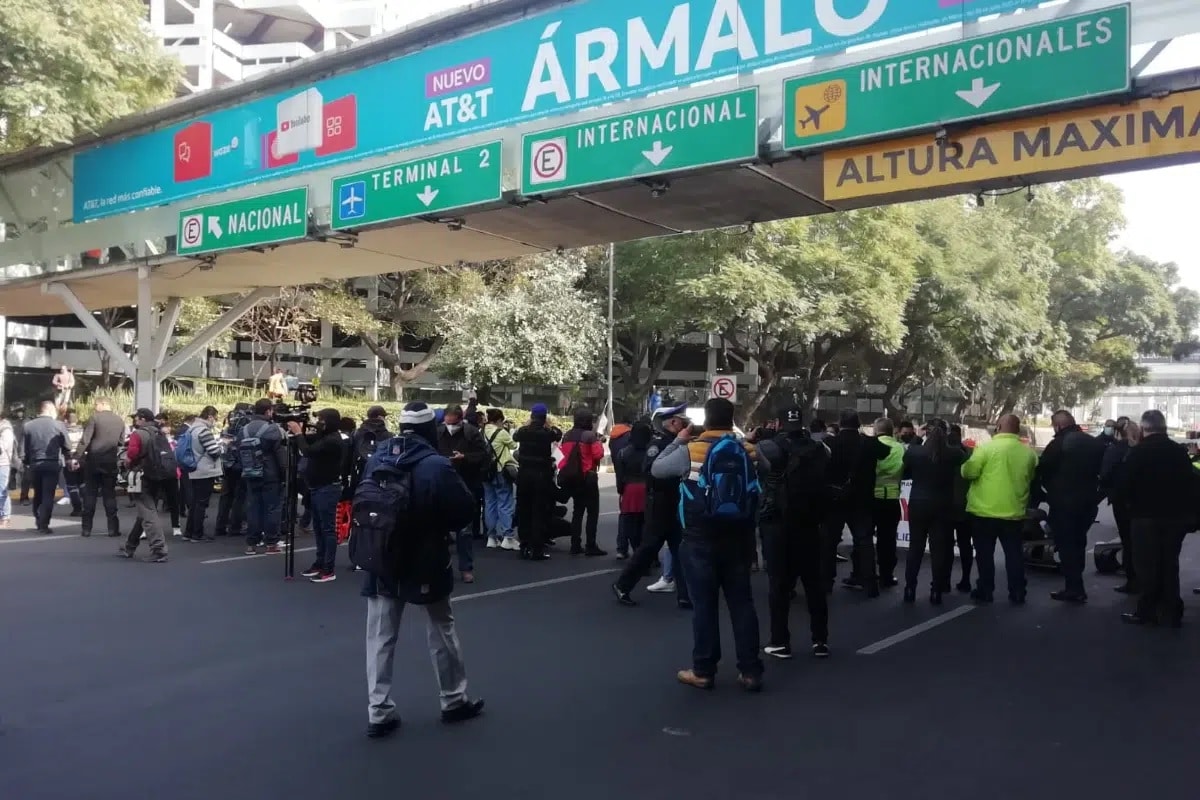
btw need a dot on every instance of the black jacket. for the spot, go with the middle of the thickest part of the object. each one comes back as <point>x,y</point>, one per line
<point>324,458</point>
<point>1069,471</point>
<point>470,442</point>
<point>1160,481</point>
<point>101,443</point>
<point>852,464</point>
<point>45,443</point>
<point>778,503</point>
<point>536,442</point>
<point>630,464</point>
<point>934,483</point>
<point>1114,471</point>
<point>372,430</point>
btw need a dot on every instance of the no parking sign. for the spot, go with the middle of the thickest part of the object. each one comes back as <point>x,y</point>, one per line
<point>724,387</point>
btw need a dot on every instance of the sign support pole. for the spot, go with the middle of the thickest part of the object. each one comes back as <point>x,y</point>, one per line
<point>612,332</point>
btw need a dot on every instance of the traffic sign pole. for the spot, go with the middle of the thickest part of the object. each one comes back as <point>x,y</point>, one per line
<point>443,182</point>
<point>1070,58</point>
<point>703,132</point>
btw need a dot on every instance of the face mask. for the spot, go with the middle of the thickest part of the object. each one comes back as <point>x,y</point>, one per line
<point>1109,431</point>
<point>908,438</point>
<point>453,429</point>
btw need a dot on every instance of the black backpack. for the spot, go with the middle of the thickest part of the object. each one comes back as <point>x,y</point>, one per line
<point>381,515</point>
<point>803,485</point>
<point>571,473</point>
<point>158,460</point>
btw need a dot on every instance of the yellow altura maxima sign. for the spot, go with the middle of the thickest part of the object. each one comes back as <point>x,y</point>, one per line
<point>1089,137</point>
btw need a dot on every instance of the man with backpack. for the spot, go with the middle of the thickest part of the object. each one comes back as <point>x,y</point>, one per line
<point>794,468</point>
<point>367,437</point>
<point>578,477</point>
<point>232,507</point>
<point>408,503</point>
<point>261,452</point>
<point>719,499</point>
<point>462,443</point>
<point>149,450</point>
<point>199,455</point>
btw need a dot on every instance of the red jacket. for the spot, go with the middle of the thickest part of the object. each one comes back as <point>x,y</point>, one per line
<point>591,451</point>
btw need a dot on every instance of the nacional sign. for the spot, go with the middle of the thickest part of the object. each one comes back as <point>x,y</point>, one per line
<point>1140,131</point>
<point>248,222</point>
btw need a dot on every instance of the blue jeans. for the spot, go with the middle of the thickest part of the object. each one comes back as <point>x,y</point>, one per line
<point>712,568</point>
<point>263,505</point>
<point>668,564</point>
<point>499,503</point>
<point>324,501</point>
<point>466,548</point>
<point>5,501</point>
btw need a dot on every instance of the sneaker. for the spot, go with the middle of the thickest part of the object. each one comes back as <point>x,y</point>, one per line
<point>622,556</point>
<point>324,577</point>
<point>594,551</point>
<point>158,558</point>
<point>123,553</point>
<point>143,536</point>
<point>63,501</point>
<point>576,550</point>
<point>510,543</point>
<point>493,543</point>
<point>273,550</point>
<point>690,678</point>
<point>461,713</point>
<point>177,533</point>
<point>781,651</point>
<point>750,683</point>
<point>623,596</point>
<point>378,730</point>
<point>312,571</point>
<point>251,551</point>
<point>820,650</point>
<point>661,586</point>
<point>468,577</point>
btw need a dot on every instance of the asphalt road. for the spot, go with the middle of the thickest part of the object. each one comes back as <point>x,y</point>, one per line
<point>212,677</point>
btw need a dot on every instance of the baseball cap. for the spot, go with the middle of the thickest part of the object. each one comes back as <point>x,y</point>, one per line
<point>375,412</point>
<point>144,413</point>
<point>791,418</point>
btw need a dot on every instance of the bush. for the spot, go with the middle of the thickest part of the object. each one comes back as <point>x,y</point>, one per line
<point>179,405</point>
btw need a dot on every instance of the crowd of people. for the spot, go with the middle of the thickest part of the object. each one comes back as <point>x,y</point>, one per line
<point>700,500</point>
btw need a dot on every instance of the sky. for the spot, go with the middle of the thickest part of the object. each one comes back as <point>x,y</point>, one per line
<point>1160,217</point>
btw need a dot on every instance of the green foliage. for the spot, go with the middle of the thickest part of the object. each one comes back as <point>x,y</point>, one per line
<point>68,67</point>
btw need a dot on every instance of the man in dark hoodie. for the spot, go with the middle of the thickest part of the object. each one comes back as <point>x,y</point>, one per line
<point>631,470</point>
<point>851,481</point>
<point>440,504</point>
<point>535,482</point>
<point>373,431</point>
<point>793,469</point>
<point>1069,475</point>
<point>325,459</point>
<point>463,443</point>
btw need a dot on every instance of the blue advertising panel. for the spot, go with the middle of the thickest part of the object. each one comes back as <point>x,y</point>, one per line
<point>574,57</point>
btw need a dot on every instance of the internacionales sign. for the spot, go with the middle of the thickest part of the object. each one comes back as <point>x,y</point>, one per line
<point>1138,133</point>
<point>249,222</point>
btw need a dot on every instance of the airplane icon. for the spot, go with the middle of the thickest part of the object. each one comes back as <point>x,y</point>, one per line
<point>814,116</point>
<point>352,199</point>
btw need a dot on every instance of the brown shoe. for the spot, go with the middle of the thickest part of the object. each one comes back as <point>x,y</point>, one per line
<point>468,577</point>
<point>690,678</point>
<point>750,683</point>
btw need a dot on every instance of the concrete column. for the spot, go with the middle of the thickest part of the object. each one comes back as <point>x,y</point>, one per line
<point>145,385</point>
<point>4,361</point>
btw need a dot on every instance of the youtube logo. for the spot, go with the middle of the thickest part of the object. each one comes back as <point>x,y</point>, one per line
<point>193,152</point>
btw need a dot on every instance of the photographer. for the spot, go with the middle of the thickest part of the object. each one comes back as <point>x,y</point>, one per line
<point>324,455</point>
<point>260,450</point>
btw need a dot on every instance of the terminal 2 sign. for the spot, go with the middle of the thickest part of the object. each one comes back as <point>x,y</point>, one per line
<point>1131,134</point>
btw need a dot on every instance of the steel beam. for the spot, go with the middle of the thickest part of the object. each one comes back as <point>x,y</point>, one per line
<point>165,330</point>
<point>206,336</point>
<point>120,358</point>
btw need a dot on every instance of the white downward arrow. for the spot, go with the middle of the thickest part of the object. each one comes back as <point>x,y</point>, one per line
<point>657,154</point>
<point>428,196</point>
<point>214,227</point>
<point>979,93</point>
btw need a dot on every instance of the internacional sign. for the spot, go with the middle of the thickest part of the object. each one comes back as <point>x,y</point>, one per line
<point>1143,132</point>
<point>572,57</point>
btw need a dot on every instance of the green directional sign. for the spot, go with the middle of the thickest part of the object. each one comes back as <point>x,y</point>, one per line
<point>695,133</point>
<point>1070,58</point>
<point>438,183</point>
<point>251,221</point>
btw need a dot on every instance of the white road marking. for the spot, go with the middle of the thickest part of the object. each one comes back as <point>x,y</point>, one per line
<point>915,630</point>
<point>42,538</point>
<point>520,587</point>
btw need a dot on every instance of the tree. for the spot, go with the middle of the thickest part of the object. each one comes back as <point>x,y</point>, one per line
<point>113,319</point>
<point>538,328</point>
<point>68,67</point>
<point>286,319</point>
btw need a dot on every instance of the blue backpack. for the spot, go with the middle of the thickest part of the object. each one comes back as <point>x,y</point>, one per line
<point>727,490</point>
<point>185,453</point>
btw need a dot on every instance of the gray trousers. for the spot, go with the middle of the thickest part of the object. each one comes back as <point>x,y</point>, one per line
<point>146,503</point>
<point>383,628</point>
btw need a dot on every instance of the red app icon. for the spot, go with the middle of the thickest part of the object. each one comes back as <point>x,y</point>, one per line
<point>269,159</point>
<point>193,152</point>
<point>339,126</point>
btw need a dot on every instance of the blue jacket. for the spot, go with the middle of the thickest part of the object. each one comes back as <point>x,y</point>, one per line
<point>442,503</point>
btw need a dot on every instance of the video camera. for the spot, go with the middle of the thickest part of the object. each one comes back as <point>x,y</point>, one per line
<point>304,395</point>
